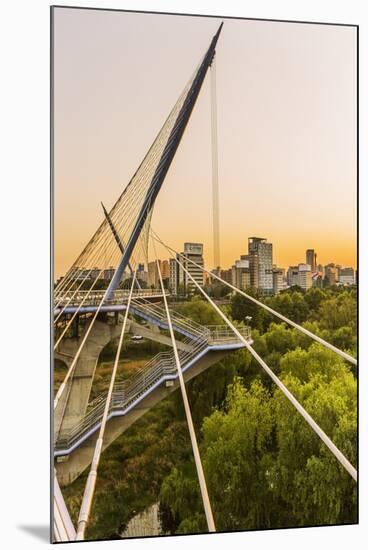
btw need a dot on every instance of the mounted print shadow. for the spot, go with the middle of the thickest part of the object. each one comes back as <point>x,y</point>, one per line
<point>204,274</point>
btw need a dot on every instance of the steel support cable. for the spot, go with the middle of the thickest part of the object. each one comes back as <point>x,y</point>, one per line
<point>94,257</point>
<point>82,261</point>
<point>75,313</point>
<point>126,199</point>
<point>101,250</point>
<point>119,242</point>
<point>98,253</point>
<point>134,200</point>
<point>92,476</point>
<point>315,427</point>
<point>166,159</point>
<point>75,263</point>
<point>75,292</point>
<point>145,167</point>
<point>72,366</point>
<point>193,438</point>
<point>61,295</point>
<point>264,306</point>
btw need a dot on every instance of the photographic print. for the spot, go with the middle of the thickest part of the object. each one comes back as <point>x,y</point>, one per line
<point>204,277</point>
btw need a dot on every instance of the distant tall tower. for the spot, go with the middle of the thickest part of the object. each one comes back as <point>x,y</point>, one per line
<point>260,251</point>
<point>215,190</point>
<point>311,258</point>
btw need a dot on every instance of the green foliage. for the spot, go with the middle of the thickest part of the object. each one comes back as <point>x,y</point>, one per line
<point>235,444</point>
<point>307,477</point>
<point>290,304</point>
<point>264,465</point>
<point>338,312</point>
<point>314,297</point>
<point>242,307</point>
<point>200,311</point>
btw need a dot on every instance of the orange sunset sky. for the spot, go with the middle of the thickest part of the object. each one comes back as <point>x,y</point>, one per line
<point>286,96</point>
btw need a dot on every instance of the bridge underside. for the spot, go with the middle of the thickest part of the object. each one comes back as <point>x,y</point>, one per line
<point>70,466</point>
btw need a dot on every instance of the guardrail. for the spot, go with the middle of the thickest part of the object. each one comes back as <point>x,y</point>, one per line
<point>72,298</point>
<point>128,392</point>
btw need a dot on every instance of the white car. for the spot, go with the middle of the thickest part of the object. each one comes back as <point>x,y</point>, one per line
<point>137,337</point>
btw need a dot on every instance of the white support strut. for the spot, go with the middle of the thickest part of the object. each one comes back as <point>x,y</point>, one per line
<point>74,362</point>
<point>193,438</point>
<point>92,476</point>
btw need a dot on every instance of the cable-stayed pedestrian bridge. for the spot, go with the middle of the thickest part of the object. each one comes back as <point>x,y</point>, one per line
<point>87,319</point>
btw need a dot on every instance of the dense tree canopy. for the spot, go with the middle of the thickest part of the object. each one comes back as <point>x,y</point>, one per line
<point>264,465</point>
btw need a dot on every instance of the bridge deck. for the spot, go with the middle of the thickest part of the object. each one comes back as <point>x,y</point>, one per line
<point>161,369</point>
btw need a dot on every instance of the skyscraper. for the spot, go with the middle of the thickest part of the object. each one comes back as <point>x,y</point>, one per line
<point>346,276</point>
<point>178,278</point>
<point>240,273</point>
<point>304,276</point>
<point>330,274</point>
<point>193,252</point>
<point>278,276</point>
<point>311,258</point>
<point>260,263</point>
<point>173,276</point>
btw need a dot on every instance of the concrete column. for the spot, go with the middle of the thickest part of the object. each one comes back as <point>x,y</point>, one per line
<point>73,404</point>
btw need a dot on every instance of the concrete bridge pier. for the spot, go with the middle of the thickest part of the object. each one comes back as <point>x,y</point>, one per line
<point>74,401</point>
<point>71,466</point>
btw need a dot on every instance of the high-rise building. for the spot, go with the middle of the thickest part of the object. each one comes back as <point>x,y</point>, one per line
<point>300,275</point>
<point>330,274</point>
<point>304,276</point>
<point>292,275</point>
<point>226,275</point>
<point>240,273</point>
<point>193,252</point>
<point>173,276</point>
<point>346,276</point>
<point>278,277</point>
<point>260,263</point>
<point>311,258</point>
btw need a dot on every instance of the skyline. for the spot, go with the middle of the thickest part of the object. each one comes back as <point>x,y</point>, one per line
<point>98,143</point>
<point>225,267</point>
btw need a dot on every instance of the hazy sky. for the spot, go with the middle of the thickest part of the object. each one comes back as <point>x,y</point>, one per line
<point>286,97</point>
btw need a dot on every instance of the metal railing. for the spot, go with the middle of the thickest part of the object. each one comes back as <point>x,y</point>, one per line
<point>129,392</point>
<point>72,298</point>
<point>157,315</point>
